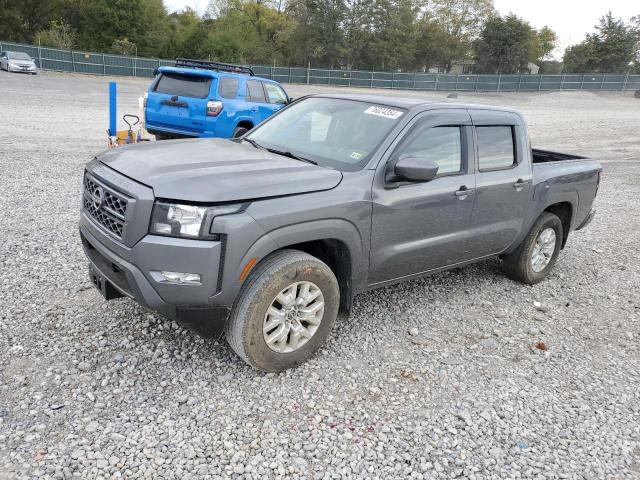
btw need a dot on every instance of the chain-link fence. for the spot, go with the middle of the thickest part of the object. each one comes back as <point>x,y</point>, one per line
<point>107,64</point>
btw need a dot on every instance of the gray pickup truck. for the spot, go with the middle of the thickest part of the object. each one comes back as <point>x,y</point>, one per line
<point>267,237</point>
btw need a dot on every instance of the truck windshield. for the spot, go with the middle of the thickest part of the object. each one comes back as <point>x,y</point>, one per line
<point>332,132</point>
<point>194,86</point>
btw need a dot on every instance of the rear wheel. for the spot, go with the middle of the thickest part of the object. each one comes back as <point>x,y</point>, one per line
<point>285,311</point>
<point>239,131</point>
<point>538,252</point>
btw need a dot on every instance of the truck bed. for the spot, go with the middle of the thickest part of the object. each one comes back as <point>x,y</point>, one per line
<point>544,156</point>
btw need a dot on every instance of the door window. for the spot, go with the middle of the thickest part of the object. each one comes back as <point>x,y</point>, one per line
<point>496,148</point>
<point>442,145</point>
<point>228,87</point>
<point>275,94</point>
<point>255,92</point>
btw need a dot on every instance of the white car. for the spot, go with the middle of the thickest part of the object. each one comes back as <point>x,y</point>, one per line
<point>17,62</point>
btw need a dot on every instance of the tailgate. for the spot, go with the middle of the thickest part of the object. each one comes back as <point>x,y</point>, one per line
<point>179,101</point>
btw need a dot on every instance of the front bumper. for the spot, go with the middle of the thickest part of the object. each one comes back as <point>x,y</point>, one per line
<point>14,68</point>
<point>129,273</point>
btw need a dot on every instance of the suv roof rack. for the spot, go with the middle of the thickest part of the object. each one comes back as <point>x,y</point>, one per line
<point>217,66</point>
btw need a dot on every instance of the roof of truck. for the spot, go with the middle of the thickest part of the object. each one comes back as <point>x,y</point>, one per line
<point>411,102</point>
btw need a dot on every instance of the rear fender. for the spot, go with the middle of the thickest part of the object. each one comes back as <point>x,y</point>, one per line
<point>543,198</point>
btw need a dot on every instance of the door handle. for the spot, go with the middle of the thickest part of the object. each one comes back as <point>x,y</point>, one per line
<point>464,192</point>
<point>254,109</point>
<point>520,183</point>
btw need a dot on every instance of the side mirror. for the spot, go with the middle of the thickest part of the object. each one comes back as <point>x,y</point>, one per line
<point>416,169</point>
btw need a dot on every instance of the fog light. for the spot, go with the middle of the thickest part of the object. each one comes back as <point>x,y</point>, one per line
<point>180,278</point>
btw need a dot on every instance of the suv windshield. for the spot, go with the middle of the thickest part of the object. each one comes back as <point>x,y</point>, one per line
<point>18,56</point>
<point>336,133</point>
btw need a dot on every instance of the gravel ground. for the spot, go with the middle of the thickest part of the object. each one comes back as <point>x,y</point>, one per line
<point>434,378</point>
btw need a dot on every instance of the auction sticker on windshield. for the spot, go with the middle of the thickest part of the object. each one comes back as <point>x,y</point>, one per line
<point>384,112</point>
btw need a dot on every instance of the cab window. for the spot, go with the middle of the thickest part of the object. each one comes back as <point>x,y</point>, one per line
<point>496,147</point>
<point>442,145</point>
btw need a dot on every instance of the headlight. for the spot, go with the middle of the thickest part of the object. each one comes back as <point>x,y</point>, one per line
<point>189,221</point>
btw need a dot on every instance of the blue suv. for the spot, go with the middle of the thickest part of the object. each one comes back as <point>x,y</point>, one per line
<point>208,99</point>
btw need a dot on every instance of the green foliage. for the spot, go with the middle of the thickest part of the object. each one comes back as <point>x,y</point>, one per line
<point>550,67</point>
<point>59,35</point>
<point>545,42</point>
<point>506,45</point>
<point>613,48</point>
<point>398,35</point>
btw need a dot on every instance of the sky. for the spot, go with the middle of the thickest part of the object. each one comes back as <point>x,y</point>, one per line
<point>570,19</point>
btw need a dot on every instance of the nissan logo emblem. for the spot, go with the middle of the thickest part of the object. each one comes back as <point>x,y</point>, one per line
<point>98,197</point>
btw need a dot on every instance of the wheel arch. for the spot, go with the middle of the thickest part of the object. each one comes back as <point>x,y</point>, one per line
<point>336,242</point>
<point>564,211</point>
<point>244,123</point>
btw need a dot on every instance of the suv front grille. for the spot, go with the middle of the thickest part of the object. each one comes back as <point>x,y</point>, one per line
<point>107,207</point>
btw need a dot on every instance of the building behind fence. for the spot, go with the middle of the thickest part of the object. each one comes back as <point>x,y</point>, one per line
<point>106,64</point>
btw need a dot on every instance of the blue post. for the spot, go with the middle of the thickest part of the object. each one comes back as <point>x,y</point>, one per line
<point>112,109</point>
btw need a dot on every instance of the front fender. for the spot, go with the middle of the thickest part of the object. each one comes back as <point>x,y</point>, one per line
<point>326,229</point>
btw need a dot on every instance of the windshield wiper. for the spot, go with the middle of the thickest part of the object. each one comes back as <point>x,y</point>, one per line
<point>279,152</point>
<point>254,143</point>
<point>291,155</point>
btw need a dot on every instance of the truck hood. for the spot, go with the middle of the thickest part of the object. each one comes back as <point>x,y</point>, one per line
<point>215,170</point>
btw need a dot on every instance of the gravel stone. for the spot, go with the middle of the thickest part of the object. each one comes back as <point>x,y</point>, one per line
<point>95,389</point>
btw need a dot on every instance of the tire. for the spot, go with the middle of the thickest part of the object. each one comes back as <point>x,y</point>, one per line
<point>270,279</point>
<point>520,265</point>
<point>239,131</point>
<point>162,137</point>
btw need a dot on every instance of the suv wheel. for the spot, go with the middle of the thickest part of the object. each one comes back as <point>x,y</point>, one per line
<point>284,312</point>
<point>239,131</point>
<point>538,252</point>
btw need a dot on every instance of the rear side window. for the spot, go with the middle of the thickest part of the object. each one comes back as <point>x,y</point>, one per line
<point>183,85</point>
<point>255,93</point>
<point>275,94</point>
<point>228,87</point>
<point>496,148</point>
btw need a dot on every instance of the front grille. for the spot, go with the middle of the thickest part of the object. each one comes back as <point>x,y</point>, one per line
<point>107,207</point>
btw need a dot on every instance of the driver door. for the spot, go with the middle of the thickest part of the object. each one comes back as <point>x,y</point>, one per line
<point>420,227</point>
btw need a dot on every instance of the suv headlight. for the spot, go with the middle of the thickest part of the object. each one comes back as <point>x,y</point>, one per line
<point>188,221</point>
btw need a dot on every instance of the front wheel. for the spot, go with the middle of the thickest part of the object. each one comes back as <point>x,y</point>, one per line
<point>538,252</point>
<point>284,312</point>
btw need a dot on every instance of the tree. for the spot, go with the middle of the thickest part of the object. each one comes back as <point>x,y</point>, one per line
<point>13,25</point>
<point>613,48</point>
<point>58,35</point>
<point>457,24</point>
<point>109,20</point>
<point>393,34</point>
<point>545,42</point>
<point>506,45</point>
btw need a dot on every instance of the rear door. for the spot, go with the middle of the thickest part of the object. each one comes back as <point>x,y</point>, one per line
<point>179,100</point>
<point>503,181</point>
